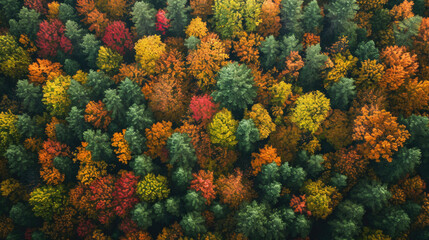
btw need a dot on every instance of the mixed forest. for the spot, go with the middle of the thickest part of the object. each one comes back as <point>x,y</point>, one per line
<point>214,119</point>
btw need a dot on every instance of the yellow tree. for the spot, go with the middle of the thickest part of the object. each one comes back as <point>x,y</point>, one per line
<point>148,50</point>
<point>262,120</point>
<point>310,111</point>
<point>122,148</point>
<point>222,129</point>
<point>197,28</point>
<point>55,96</point>
<point>8,130</point>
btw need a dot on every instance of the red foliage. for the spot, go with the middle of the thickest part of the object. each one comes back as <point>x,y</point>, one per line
<point>233,189</point>
<point>84,228</point>
<point>203,182</point>
<point>50,150</point>
<point>97,115</point>
<point>203,108</point>
<point>101,196</point>
<point>50,38</point>
<point>124,196</point>
<point>118,37</point>
<point>127,225</point>
<point>162,22</point>
<point>298,204</point>
<point>350,163</point>
<point>38,5</point>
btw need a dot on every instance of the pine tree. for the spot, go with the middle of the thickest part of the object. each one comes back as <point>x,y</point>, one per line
<point>342,93</point>
<point>178,15</point>
<point>312,18</point>
<point>292,16</point>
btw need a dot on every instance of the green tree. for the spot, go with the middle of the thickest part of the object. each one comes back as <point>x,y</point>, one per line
<point>235,88</point>
<point>78,94</point>
<point>370,194</point>
<point>30,96</point>
<point>99,145</point>
<point>178,14</point>
<point>22,215</point>
<point>143,17</point>
<point>247,135</point>
<point>67,12</point>
<point>27,24</point>
<point>404,162</point>
<point>309,76</point>
<point>312,18</point>
<point>194,201</point>
<point>270,49</point>
<point>342,93</point>
<point>142,165</point>
<point>114,104</point>
<point>20,162</point>
<point>252,220</point>
<point>136,141</point>
<point>90,46</point>
<point>142,214</point>
<point>291,13</point>
<point>347,220</point>
<point>312,164</point>
<point>28,127</point>
<point>392,221</point>
<point>292,177</point>
<point>193,224</point>
<point>130,93</point>
<point>77,123</point>
<point>139,117</point>
<point>182,152</point>
<point>98,82</point>
<point>288,44</point>
<point>181,178</point>
<point>10,8</point>
<point>367,50</point>
<point>341,14</point>
<point>405,30</point>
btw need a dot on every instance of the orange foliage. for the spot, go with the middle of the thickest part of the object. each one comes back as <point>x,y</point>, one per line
<point>413,99</point>
<point>202,8</point>
<point>173,232</point>
<point>247,48</point>
<point>286,139</point>
<point>172,64</point>
<point>402,11</point>
<point>53,9</point>
<point>131,71</point>
<point>293,63</point>
<point>27,44</point>
<point>6,226</point>
<point>50,128</point>
<point>79,197</point>
<point>97,115</point>
<point>234,189</point>
<point>266,155</point>
<point>336,129</point>
<point>421,45</point>
<point>122,148</point>
<point>203,183</point>
<point>48,172</point>
<point>43,70</point>
<point>263,82</point>
<point>349,163</point>
<point>92,16</point>
<point>270,19</point>
<point>298,204</point>
<point>33,144</point>
<point>139,235</point>
<point>423,218</point>
<point>61,226</point>
<point>380,133</point>
<point>310,39</point>
<point>363,20</point>
<point>413,187</point>
<point>157,137</point>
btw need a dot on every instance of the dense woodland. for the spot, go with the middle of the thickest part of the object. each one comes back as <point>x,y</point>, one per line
<point>214,119</point>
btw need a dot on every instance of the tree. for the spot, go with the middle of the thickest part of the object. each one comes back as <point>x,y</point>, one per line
<point>43,70</point>
<point>97,115</point>
<point>262,120</point>
<point>247,135</point>
<point>181,151</point>
<point>108,60</point>
<point>152,188</point>
<point>203,182</point>
<point>270,19</point>
<point>269,49</point>
<point>319,198</point>
<point>310,111</point>
<point>201,8</point>
<point>342,93</point>
<point>114,105</point>
<point>90,46</point>
<point>222,129</point>
<point>178,15</point>
<point>193,224</point>
<point>336,129</point>
<point>14,60</point>
<point>92,16</point>
<point>347,220</point>
<point>228,16</point>
<point>367,51</point>
<point>252,220</point>
<point>206,61</point>
<point>380,134</point>
<point>51,38</point>
<point>19,160</point>
<point>162,22</point>
<point>246,48</point>
<point>312,18</point>
<point>122,150</point>
<point>143,17</point>
<point>168,99</point>
<point>55,96</point>
<point>157,136</point>
<point>139,117</point>
<point>98,144</point>
<point>142,215</point>
<point>146,58</point>
<point>292,16</point>
<point>341,14</point>
<point>310,73</point>
<point>312,164</point>
<point>203,108</point>
<point>404,162</point>
<point>47,201</point>
<point>27,24</point>
<point>235,88</point>
<point>66,12</point>
<point>370,194</point>
<point>266,155</point>
<point>406,30</point>
<point>233,189</point>
<point>392,220</point>
<point>197,28</point>
<point>30,96</point>
<point>124,195</point>
<point>118,37</point>
<point>369,74</point>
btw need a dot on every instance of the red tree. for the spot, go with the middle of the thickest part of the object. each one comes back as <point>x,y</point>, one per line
<point>38,5</point>
<point>203,182</point>
<point>203,108</point>
<point>118,37</point>
<point>51,37</point>
<point>101,197</point>
<point>162,22</point>
<point>124,196</point>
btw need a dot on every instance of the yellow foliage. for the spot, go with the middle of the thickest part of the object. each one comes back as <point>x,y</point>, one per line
<point>319,198</point>
<point>8,130</point>
<point>153,188</point>
<point>197,28</point>
<point>89,171</point>
<point>222,129</point>
<point>108,60</point>
<point>148,50</point>
<point>80,77</point>
<point>55,95</point>
<point>342,64</point>
<point>53,9</point>
<point>310,110</point>
<point>122,148</point>
<point>369,74</point>
<point>280,93</point>
<point>11,189</point>
<point>371,5</point>
<point>262,120</point>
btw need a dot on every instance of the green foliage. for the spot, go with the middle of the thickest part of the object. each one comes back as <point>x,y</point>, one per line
<point>193,224</point>
<point>309,77</point>
<point>99,145</point>
<point>392,221</point>
<point>371,194</point>
<point>142,165</point>
<point>19,160</point>
<point>90,46</point>
<point>27,126</point>
<point>142,214</point>
<point>252,220</point>
<point>66,12</point>
<point>192,42</point>
<point>28,23</point>
<point>130,93</point>
<point>143,17</point>
<point>136,141</point>
<point>367,50</point>
<point>181,178</point>
<point>341,14</point>
<point>291,13</point>
<point>194,201</point>
<point>270,48</point>
<point>247,135</point>
<point>30,96</point>
<point>114,104</point>
<point>338,181</point>
<point>178,15</point>
<point>235,88</point>
<point>10,8</point>
<point>292,177</point>
<point>289,43</point>
<point>77,122</point>
<point>22,215</point>
<point>312,18</point>
<point>404,162</point>
<point>139,117</point>
<point>14,60</point>
<point>78,94</point>
<point>98,82</point>
<point>406,30</point>
<point>173,207</point>
<point>342,93</point>
<point>47,201</point>
<point>182,152</point>
<point>312,164</point>
<point>346,221</point>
